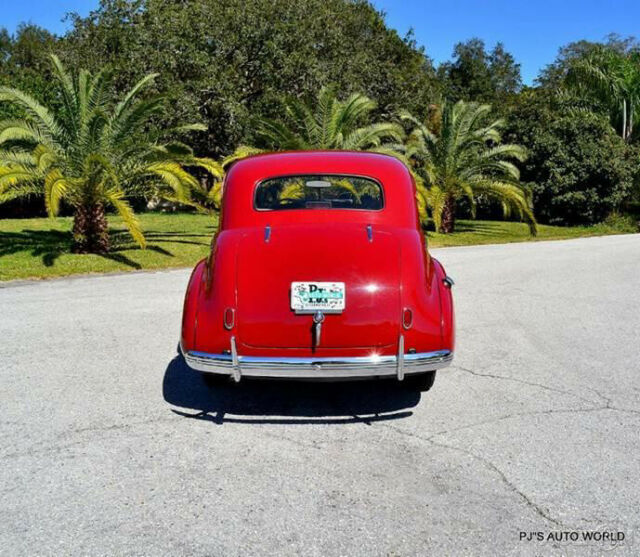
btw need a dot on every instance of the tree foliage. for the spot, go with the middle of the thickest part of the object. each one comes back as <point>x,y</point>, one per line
<point>578,168</point>
<point>477,75</point>
<point>25,64</point>
<point>611,79</point>
<point>228,63</point>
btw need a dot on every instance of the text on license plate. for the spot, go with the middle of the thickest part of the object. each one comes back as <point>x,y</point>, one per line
<point>317,296</point>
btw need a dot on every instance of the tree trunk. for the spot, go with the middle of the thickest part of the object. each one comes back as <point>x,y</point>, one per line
<point>90,233</point>
<point>448,222</point>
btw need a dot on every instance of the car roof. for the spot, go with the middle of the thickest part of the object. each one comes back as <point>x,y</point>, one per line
<point>326,156</point>
<point>244,176</point>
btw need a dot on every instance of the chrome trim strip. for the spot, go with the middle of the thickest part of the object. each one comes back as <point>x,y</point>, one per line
<point>400,371</point>
<point>234,361</point>
<point>317,368</point>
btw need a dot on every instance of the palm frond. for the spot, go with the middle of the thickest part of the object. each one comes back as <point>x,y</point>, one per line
<point>36,112</point>
<point>372,136</point>
<point>435,198</point>
<point>511,194</point>
<point>17,192</point>
<point>97,90</point>
<point>278,134</point>
<point>174,176</point>
<point>185,128</point>
<point>241,152</point>
<point>115,197</point>
<point>120,129</point>
<point>55,186</point>
<point>506,150</point>
<point>129,98</point>
<point>307,127</point>
<point>15,175</point>
<point>43,156</point>
<point>212,167</point>
<point>353,111</point>
<point>69,96</point>
<point>24,158</point>
<point>325,120</point>
<point>21,130</point>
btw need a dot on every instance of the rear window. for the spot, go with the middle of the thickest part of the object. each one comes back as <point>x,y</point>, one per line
<point>319,192</point>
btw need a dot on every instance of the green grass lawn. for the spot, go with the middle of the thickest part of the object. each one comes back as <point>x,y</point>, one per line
<point>41,248</point>
<point>474,232</point>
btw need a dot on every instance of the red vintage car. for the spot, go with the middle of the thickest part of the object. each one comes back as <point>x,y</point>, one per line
<point>319,270</point>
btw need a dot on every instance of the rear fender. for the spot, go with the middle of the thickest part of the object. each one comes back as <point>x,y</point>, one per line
<point>218,296</point>
<point>447,316</point>
<point>190,308</point>
<point>420,310</point>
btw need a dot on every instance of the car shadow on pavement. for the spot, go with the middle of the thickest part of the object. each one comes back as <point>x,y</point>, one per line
<point>285,402</point>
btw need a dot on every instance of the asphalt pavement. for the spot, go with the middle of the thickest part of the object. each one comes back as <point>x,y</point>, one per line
<point>111,446</point>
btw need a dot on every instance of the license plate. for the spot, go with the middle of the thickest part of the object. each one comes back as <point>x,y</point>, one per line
<point>309,297</point>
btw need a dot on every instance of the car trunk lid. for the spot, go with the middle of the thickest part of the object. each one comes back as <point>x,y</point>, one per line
<point>367,260</point>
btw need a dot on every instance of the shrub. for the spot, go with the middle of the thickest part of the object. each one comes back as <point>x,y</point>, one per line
<point>578,168</point>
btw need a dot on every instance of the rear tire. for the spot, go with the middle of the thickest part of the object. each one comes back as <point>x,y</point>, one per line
<point>420,382</point>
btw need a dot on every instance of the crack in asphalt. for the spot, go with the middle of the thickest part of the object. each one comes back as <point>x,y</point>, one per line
<point>521,414</point>
<point>488,464</point>
<point>609,401</point>
<point>610,404</point>
<point>516,380</point>
<point>47,446</point>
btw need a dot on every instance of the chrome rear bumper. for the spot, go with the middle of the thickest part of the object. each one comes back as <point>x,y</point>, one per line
<point>318,368</point>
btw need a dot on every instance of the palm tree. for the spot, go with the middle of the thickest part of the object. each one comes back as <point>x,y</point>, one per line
<point>92,157</point>
<point>464,157</point>
<point>611,78</point>
<point>331,124</point>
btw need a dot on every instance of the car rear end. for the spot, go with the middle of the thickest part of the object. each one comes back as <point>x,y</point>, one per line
<point>328,279</point>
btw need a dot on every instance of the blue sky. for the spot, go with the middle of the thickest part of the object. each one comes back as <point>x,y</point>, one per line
<point>532,31</point>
